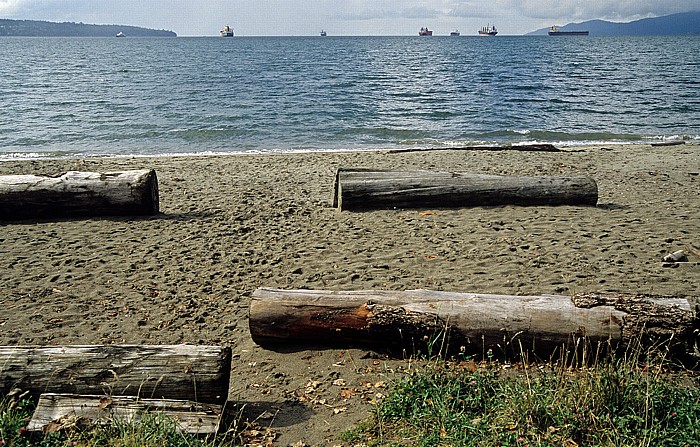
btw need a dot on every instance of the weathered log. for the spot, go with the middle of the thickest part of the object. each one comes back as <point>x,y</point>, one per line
<point>365,189</point>
<point>467,321</point>
<point>544,147</point>
<point>180,372</point>
<point>55,412</point>
<point>668,143</point>
<point>79,194</point>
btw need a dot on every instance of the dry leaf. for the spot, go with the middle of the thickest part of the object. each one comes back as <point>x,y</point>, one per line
<point>347,393</point>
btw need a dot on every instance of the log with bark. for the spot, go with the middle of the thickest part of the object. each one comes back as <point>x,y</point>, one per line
<point>79,194</point>
<point>366,189</point>
<point>470,322</point>
<point>180,372</point>
<point>56,412</point>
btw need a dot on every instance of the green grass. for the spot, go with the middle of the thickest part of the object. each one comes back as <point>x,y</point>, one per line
<point>615,403</point>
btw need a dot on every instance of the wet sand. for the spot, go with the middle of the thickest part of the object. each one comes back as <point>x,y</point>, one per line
<point>230,224</point>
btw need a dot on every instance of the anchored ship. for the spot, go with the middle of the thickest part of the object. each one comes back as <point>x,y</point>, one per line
<point>425,32</point>
<point>226,31</point>
<point>488,30</point>
<point>555,31</point>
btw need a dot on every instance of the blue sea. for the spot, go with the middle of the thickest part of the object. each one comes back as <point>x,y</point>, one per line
<point>79,97</point>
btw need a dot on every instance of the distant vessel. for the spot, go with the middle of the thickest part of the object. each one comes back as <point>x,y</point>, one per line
<point>488,30</point>
<point>323,33</point>
<point>454,33</point>
<point>120,34</point>
<point>554,31</point>
<point>226,31</point>
<point>425,32</point>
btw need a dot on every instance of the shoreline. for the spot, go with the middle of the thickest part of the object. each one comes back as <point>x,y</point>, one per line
<point>562,146</point>
<point>231,224</point>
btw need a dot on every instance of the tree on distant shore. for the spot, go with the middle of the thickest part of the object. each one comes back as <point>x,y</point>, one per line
<point>37,28</point>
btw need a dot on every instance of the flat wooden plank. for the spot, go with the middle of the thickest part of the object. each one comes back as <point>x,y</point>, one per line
<point>55,411</point>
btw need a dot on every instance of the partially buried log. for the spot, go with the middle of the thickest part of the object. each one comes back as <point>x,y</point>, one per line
<point>79,194</point>
<point>366,189</point>
<point>56,412</point>
<point>180,372</point>
<point>469,322</point>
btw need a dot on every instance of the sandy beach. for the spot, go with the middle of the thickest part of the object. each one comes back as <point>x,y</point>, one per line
<point>231,224</point>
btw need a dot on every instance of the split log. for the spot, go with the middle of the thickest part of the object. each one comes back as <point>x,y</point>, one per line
<point>365,189</point>
<point>79,194</point>
<point>56,412</point>
<point>468,321</point>
<point>180,372</point>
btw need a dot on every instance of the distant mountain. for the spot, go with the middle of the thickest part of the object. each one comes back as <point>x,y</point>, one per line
<point>685,23</point>
<point>37,28</point>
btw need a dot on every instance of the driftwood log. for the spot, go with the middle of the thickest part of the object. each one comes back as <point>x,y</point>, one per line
<point>79,194</point>
<point>179,372</point>
<point>55,412</point>
<point>366,189</point>
<point>513,147</point>
<point>471,322</point>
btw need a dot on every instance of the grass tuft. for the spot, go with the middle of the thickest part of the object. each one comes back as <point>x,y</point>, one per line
<point>613,403</point>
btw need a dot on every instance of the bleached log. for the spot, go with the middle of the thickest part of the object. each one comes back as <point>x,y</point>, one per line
<point>466,321</point>
<point>56,412</point>
<point>79,194</point>
<point>366,189</point>
<point>180,372</point>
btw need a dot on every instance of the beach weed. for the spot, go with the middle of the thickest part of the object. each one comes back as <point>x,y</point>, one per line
<point>618,401</point>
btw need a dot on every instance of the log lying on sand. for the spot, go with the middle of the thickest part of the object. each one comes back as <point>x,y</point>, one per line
<point>513,147</point>
<point>180,372</point>
<point>468,322</point>
<point>79,194</point>
<point>365,189</point>
<point>56,412</point>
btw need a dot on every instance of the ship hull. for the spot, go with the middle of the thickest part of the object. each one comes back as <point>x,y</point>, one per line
<point>568,33</point>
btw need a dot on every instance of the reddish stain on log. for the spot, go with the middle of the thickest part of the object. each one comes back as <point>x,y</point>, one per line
<point>352,318</point>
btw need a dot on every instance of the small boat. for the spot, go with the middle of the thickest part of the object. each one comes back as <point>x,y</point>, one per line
<point>488,30</point>
<point>455,33</point>
<point>555,31</point>
<point>323,33</point>
<point>226,31</point>
<point>120,34</point>
<point>425,32</point>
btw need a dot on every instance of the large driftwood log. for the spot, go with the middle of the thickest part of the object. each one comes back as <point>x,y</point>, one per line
<point>467,321</point>
<point>365,189</point>
<point>56,412</point>
<point>180,372</point>
<point>514,147</point>
<point>79,194</point>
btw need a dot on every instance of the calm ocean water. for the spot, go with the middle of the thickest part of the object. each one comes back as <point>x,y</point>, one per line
<point>84,97</point>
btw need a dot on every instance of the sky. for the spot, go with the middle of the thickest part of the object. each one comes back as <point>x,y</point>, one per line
<point>339,17</point>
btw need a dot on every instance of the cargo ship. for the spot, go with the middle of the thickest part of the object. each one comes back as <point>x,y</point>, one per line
<point>555,31</point>
<point>226,31</point>
<point>425,32</point>
<point>488,30</point>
